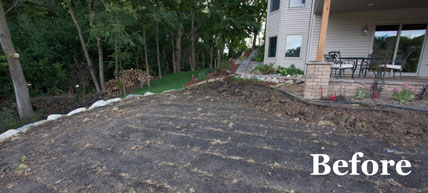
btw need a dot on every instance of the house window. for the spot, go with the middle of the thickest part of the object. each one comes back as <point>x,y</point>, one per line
<point>293,46</point>
<point>297,3</point>
<point>272,47</point>
<point>400,44</point>
<point>274,5</point>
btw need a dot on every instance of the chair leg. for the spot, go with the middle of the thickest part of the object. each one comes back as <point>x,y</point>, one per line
<point>393,72</point>
<point>401,73</point>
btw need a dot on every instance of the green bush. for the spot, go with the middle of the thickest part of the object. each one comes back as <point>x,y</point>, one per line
<point>361,94</point>
<point>225,66</point>
<point>9,119</point>
<point>404,94</point>
<point>201,75</point>
<point>259,57</point>
<point>265,68</point>
<point>292,71</point>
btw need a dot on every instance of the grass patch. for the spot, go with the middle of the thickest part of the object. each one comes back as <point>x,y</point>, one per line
<point>10,120</point>
<point>169,82</point>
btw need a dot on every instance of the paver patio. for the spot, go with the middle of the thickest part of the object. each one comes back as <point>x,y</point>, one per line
<point>193,141</point>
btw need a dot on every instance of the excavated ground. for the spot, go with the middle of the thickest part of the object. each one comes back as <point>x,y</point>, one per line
<point>224,137</point>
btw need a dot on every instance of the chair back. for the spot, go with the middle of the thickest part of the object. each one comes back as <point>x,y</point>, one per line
<point>402,59</point>
<point>335,55</point>
<point>328,58</point>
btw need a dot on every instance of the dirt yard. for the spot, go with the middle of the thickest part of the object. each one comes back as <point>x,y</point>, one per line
<point>224,137</point>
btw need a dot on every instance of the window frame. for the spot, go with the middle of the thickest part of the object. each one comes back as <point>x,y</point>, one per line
<point>271,6</point>
<point>301,46</point>
<point>289,5</point>
<point>269,47</point>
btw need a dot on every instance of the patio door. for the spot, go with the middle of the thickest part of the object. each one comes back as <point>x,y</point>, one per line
<point>401,43</point>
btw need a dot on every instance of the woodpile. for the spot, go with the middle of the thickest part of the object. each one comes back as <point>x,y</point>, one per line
<point>128,78</point>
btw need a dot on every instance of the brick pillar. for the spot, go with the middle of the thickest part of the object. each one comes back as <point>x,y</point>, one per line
<point>317,78</point>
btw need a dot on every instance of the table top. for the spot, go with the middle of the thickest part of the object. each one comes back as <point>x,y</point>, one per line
<point>353,58</point>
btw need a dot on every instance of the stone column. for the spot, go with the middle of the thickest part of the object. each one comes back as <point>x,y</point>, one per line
<point>317,79</point>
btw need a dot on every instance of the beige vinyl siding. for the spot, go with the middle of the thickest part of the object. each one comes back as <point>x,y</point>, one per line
<point>423,69</point>
<point>272,29</point>
<point>345,30</point>
<point>294,21</point>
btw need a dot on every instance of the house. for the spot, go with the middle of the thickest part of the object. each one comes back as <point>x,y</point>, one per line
<point>394,28</point>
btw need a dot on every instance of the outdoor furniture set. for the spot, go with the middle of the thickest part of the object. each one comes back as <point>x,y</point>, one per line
<point>372,63</point>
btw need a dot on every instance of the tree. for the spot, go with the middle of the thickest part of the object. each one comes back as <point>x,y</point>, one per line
<point>22,95</point>
<point>85,50</point>
<point>145,52</point>
<point>99,47</point>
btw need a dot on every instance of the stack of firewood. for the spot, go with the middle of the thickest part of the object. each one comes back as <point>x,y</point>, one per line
<point>127,78</point>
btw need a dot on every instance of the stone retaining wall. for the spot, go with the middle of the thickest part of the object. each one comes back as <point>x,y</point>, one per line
<point>348,88</point>
<point>317,80</point>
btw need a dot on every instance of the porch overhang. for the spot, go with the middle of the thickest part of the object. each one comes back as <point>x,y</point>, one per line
<point>338,6</point>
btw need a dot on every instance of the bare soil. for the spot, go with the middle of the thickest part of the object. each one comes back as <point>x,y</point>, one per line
<point>224,137</point>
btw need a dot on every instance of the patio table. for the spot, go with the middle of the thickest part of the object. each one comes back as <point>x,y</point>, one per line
<point>357,61</point>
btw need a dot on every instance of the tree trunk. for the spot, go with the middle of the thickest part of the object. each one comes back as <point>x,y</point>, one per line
<point>85,51</point>
<point>145,54</point>
<point>22,95</point>
<point>219,56</point>
<point>178,40</point>
<point>174,65</point>
<point>116,60</point>
<point>255,39</point>
<point>211,52</point>
<point>192,31</point>
<point>99,47</point>
<point>157,49</point>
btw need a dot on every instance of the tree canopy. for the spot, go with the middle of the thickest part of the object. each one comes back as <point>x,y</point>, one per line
<point>175,35</point>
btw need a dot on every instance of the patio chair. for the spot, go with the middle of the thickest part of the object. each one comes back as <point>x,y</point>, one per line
<point>338,64</point>
<point>374,63</point>
<point>398,64</point>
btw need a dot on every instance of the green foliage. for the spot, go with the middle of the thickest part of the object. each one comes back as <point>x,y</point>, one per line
<point>265,68</point>
<point>362,93</point>
<point>259,57</point>
<point>292,71</point>
<point>201,75</point>
<point>404,94</point>
<point>46,38</point>
<point>225,65</point>
<point>9,119</point>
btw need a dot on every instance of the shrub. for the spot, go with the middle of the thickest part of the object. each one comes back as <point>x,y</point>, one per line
<point>404,94</point>
<point>362,92</point>
<point>265,68</point>
<point>9,118</point>
<point>292,71</point>
<point>259,57</point>
<point>225,66</point>
<point>202,75</point>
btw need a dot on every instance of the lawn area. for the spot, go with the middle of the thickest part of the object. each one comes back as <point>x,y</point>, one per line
<point>168,82</point>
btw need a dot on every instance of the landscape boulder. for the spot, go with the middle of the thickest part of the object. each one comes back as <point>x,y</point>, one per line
<point>100,103</point>
<point>54,117</point>
<point>76,111</point>
<point>113,100</point>
<point>8,134</point>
